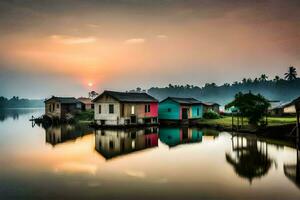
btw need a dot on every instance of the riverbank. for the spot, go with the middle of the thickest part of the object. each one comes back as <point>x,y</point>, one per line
<point>277,127</point>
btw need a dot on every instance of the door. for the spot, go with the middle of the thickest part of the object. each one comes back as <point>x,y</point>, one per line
<point>133,119</point>
<point>184,112</point>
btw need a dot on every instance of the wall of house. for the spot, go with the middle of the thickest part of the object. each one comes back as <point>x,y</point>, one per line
<point>50,112</point>
<point>194,112</point>
<point>110,118</point>
<point>174,113</point>
<point>289,109</point>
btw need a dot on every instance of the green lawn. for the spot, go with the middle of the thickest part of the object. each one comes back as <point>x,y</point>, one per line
<point>226,121</point>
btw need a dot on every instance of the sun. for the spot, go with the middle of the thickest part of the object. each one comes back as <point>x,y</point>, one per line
<point>90,84</point>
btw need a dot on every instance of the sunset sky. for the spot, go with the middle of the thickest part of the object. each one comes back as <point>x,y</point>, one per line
<point>68,47</point>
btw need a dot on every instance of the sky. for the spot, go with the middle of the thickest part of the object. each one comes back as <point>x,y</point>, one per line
<point>69,47</point>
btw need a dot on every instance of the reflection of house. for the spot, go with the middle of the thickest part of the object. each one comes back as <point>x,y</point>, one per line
<point>60,107</point>
<point>63,133</point>
<point>210,106</point>
<point>292,171</point>
<point>249,157</point>
<point>175,108</point>
<point>122,108</point>
<point>175,136</point>
<point>86,103</point>
<point>112,143</point>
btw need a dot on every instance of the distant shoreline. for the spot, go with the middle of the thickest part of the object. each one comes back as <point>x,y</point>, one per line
<point>10,108</point>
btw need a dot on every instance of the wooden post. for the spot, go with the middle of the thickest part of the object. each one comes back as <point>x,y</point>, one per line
<point>231,120</point>
<point>238,120</point>
<point>297,125</point>
<point>242,121</point>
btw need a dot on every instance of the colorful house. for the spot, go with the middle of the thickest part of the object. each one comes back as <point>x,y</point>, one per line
<point>177,109</point>
<point>125,108</point>
<point>173,136</point>
<point>60,107</point>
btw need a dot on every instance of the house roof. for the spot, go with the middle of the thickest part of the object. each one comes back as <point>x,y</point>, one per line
<point>181,100</point>
<point>210,103</point>
<point>85,100</point>
<point>128,96</point>
<point>287,104</point>
<point>63,100</point>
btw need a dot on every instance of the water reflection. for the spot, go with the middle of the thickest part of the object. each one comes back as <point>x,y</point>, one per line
<point>14,113</point>
<point>292,171</point>
<point>63,133</point>
<point>172,136</point>
<point>249,157</point>
<point>113,143</point>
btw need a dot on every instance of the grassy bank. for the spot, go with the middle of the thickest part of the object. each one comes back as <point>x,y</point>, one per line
<point>226,122</point>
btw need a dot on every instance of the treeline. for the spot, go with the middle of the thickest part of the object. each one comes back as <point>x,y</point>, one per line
<point>276,89</point>
<point>16,102</point>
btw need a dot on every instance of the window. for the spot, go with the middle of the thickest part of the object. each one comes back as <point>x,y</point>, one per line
<point>147,108</point>
<point>111,108</point>
<point>132,110</point>
<point>57,106</point>
<point>198,112</point>
<point>99,109</point>
<point>122,110</point>
<point>169,110</point>
<point>111,144</point>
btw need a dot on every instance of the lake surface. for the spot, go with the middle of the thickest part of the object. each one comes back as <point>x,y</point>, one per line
<point>154,163</point>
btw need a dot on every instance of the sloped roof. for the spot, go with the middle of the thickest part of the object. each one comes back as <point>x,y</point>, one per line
<point>64,100</point>
<point>181,100</point>
<point>85,100</point>
<point>128,96</point>
<point>210,103</point>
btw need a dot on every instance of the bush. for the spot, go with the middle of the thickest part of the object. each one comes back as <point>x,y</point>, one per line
<point>211,115</point>
<point>87,115</point>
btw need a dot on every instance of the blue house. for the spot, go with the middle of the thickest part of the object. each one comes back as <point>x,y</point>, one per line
<point>178,109</point>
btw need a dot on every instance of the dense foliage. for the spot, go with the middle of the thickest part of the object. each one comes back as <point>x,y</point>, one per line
<point>87,115</point>
<point>211,115</point>
<point>15,102</point>
<point>277,89</point>
<point>252,106</point>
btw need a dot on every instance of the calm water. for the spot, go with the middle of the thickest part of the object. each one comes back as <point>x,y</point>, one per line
<point>166,163</point>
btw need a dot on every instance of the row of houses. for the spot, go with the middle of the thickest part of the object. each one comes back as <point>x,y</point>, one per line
<point>127,108</point>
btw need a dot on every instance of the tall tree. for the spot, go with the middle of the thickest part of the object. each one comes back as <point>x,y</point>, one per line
<point>263,78</point>
<point>291,74</point>
<point>250,105</point>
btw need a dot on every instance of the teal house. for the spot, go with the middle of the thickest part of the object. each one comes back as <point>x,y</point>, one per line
<point>173,136</point>
<point>177,109</point>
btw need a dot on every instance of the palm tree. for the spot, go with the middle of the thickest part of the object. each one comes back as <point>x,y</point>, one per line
<point>291,74</point>
<point>276,79</point>
<point>263,78</point>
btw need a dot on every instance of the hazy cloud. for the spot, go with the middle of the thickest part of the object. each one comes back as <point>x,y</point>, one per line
<point>135,41</point>
<point>136,174</point>
<point>92,25</point>
<point>70,40</point>
<point>162,36</point>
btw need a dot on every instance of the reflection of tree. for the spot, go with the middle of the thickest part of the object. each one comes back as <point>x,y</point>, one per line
<point>249,158</point>
<point>292,171</point>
